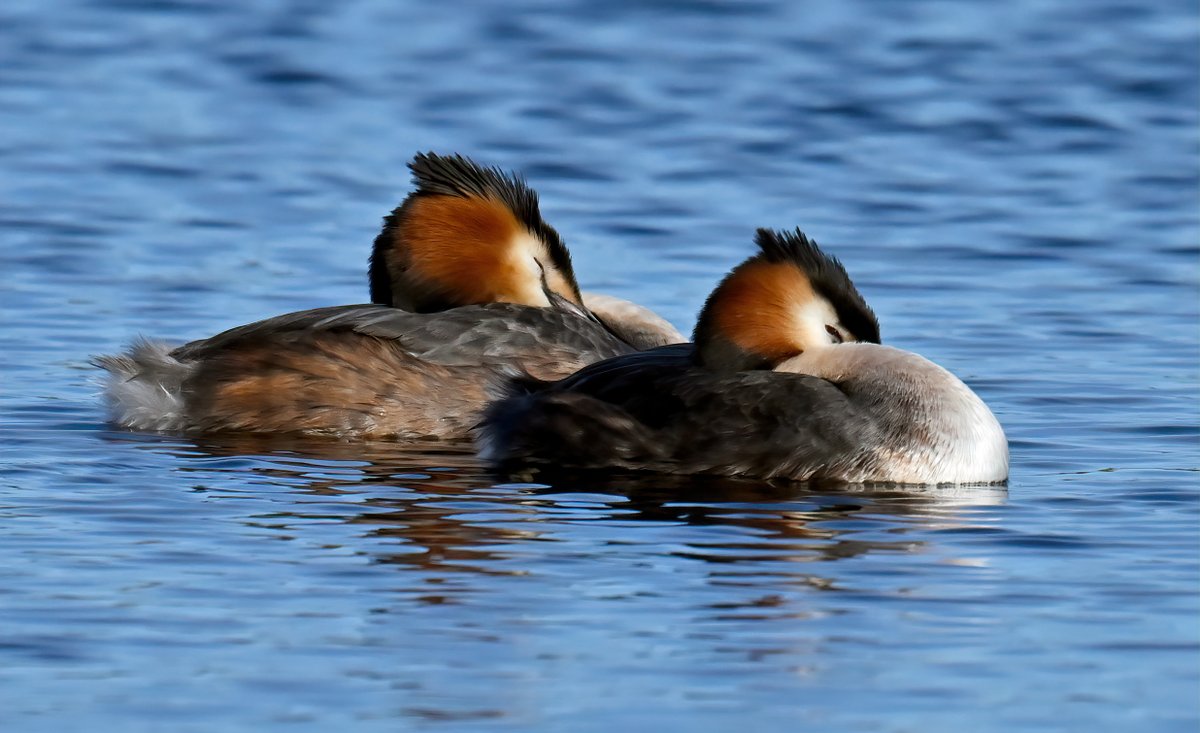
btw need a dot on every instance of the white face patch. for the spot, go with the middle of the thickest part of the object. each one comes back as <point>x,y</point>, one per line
<point>526,251</point>
<point>812,317</point>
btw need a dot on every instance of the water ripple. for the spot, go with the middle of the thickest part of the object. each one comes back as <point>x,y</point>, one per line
<point>1014,188</point>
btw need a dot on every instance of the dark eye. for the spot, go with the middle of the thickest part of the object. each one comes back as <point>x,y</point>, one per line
<point>834,334</point>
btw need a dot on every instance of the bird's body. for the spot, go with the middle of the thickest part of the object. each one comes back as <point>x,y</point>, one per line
<point>469,284</point>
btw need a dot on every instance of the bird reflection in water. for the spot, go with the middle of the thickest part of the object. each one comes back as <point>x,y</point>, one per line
<point>449,515</point>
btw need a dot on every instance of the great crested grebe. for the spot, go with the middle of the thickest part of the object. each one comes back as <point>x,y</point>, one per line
<point>419,261</point>
<point>481,284</point>
<point>786,379</point>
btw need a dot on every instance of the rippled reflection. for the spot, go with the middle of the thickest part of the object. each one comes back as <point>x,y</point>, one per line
<point>1012,185</point>
<point>434,507</point>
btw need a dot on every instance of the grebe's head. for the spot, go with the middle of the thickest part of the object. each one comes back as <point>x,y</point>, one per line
<point>468,235</point>
<point>789,298</point>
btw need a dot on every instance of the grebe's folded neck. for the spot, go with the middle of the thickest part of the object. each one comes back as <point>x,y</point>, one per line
<point>933,427</point>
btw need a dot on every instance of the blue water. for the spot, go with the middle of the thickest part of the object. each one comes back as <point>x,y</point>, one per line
<point>1014,187</point>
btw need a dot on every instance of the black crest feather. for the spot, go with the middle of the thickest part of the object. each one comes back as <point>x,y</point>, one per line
<point>827,275</point>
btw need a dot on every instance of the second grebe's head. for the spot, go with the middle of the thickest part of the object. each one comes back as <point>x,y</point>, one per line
<point>789,298</point>
<point>468,235</point>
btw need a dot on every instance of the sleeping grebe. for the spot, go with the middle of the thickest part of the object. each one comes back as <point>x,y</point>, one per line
<point>786,379</point>
<point>488,288</point>
<point>419,263</point>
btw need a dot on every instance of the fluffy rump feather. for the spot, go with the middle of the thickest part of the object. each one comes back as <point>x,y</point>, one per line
<point>143,388</point>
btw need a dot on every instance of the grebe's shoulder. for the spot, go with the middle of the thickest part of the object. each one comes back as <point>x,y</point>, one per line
<point>635,324</point>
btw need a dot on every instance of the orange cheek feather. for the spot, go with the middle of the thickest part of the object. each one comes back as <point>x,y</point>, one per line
<point>466,246</point>
<point>755,309</point>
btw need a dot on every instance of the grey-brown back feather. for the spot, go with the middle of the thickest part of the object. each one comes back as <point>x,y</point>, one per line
<point>503,332</point>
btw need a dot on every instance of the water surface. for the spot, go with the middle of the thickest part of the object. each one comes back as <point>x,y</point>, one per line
<point>1013,187</point>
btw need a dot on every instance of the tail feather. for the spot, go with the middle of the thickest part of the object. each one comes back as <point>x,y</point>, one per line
<point>144,387</point>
